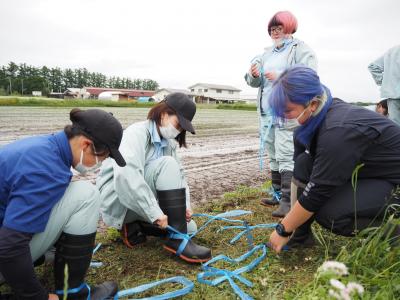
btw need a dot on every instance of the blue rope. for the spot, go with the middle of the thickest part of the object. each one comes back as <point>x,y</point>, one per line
<point>275,194</point>
<point>188,287</point>
<point>225,275</point>
<point>246,230</point>
<point>75,290</point>
<point>185,237</point>
<point>94,263</point>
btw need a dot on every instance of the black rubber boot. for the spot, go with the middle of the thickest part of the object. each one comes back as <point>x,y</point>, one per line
<point>76,251</point>
<point>276,186</point>
<point>173,204</point>
<point>152,230</point>
<point>132,235</point>
<point>284,204</point>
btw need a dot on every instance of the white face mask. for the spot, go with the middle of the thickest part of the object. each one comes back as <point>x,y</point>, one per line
<point>169,132</point>
<point>83,170</point>
<point>293,124</point>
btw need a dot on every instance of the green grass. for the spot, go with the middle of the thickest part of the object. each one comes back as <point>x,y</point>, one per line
<point>51,102</point>
<point>290,275</point>
<point>239,106</point>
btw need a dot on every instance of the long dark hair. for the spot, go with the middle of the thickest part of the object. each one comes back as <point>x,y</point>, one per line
<point>155,114</point>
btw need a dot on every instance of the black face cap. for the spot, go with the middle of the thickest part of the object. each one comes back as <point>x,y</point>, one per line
<point>102,127</point>
<point>185,109</point>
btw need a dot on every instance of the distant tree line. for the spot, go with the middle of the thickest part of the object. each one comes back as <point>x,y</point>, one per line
<point>23,79</point>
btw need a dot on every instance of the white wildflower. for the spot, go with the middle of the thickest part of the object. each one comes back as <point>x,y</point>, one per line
<point>345,295</point>
<point>334,294</point>
<point>335,267</point>
<point>355,287</point>
<point>264,281</point>
<point>337,284</point>
<point>344,292</point>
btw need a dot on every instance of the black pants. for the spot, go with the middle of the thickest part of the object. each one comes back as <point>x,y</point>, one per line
<point>338,213</point>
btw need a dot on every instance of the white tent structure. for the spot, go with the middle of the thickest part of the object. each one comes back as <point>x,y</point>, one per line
<point>109,95</point>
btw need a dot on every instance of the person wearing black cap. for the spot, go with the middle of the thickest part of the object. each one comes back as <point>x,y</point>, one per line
<point>151,191</point>
<point>40,207</point>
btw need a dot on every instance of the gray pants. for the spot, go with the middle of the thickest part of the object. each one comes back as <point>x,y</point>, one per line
<point>394,110</point>
<point>76,213</point>
<point>278,144</point>
<point>162,174</point>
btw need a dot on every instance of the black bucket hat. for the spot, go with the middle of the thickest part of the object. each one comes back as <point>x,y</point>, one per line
<point>102,127</point>
<point>185,109</point>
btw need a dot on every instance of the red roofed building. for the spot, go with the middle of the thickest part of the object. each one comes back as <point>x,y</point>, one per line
<point>130,94</point>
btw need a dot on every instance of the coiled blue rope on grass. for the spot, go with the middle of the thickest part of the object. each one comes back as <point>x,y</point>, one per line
<point>230,276</point>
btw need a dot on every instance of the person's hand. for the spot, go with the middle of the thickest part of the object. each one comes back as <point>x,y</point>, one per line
<point>271,76</point>
<point>189,214</point>
<point>53,297</point>
<point>277,242</point>
<point>254,71</point>
<point>162,221</point>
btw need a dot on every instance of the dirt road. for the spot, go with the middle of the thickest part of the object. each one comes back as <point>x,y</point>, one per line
<point>222,155</point>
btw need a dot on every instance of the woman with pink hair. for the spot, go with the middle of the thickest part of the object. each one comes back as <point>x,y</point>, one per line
<point>277,139</point>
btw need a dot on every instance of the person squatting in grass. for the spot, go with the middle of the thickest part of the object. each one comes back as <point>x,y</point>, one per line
<point>41,207</point>
<point>151,191</point>
<point>333,139</point>
<point>286,51</point>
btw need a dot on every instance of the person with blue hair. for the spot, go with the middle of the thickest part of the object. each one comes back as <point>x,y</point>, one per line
<point>333,141</point>
<point>277,140</point>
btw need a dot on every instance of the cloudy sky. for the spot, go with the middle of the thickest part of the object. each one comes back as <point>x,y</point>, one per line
<point>182,42</point>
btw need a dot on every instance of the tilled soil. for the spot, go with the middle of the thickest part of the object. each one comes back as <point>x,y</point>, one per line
<point>220,156</point>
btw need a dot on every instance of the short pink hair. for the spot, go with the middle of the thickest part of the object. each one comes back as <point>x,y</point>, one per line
<point>286,19</point>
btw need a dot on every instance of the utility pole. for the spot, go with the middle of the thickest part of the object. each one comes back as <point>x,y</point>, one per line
<point>22,86</point>
<point>10,85</point>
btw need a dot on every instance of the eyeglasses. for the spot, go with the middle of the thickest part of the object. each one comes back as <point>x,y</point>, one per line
<point>105,153</point>
<point>276,29</point>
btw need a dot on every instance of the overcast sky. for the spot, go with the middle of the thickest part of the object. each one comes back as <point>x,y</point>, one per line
<point>181,42</point>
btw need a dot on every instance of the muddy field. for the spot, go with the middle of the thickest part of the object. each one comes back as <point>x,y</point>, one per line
<point>222,154</point>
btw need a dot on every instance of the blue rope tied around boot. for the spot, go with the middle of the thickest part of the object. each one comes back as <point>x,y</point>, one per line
<point>185,237</point>
<point>187,288</point>
<point>75,290</point>
<point>275,194</point>
<point>94,264</point>
<point>225,275</point>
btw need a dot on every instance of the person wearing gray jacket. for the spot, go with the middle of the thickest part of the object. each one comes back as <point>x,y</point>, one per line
<point>275,138</point>
<point>385,71</point>
<point>151,191</point>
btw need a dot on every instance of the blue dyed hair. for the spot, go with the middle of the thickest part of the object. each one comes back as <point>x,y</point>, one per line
<point>299,85</point>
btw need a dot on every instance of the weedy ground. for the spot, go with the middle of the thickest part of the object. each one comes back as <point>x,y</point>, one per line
<point>372,260</point>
